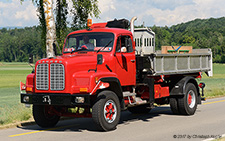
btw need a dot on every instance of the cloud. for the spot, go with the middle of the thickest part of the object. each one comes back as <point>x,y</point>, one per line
<point>16,14</point>
<point>199,9</point>
<point>170,4</point>
<point>151,12</point>
<point>161,12</point>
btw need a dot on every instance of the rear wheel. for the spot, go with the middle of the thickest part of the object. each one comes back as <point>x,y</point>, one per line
<point>174,105</point>
<point>42,116</point>
<point>188,104</point>
<point>140,109</point>
<point>106,111</point>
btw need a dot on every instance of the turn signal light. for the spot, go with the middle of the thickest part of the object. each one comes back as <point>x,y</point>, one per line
<point>96,80</point>
<point>29,89</point>
<point>83,89</point>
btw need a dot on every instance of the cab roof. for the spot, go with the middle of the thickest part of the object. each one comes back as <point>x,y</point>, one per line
<point>102,29</point>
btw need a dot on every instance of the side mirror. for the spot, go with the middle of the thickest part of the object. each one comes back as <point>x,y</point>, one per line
<point>31,58</point>
<point>99,59</point>
<point>54,48</point>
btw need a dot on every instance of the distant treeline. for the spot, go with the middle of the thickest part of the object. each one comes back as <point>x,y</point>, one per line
<point>17,44</point>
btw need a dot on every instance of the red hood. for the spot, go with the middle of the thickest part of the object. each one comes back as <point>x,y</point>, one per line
<point>74,62</point>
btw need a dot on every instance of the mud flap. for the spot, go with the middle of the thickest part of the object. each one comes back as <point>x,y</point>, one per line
<point>199,99</point>
<point>150,82</point>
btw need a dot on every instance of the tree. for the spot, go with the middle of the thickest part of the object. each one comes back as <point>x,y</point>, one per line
<point>61,24</point>
<point>81,10</point>
<point>50,27</point>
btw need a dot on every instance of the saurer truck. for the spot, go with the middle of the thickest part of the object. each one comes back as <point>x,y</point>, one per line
<point>110,67</point>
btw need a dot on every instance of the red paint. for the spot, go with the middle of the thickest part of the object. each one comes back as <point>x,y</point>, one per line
<point>189,99</point>
<point>110,111</point>
<point>98,25</point>
<point>161,91</point>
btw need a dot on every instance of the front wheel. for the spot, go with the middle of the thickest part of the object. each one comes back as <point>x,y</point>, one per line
<point>188,104</point>
<point>42,116</point>
<point>106,111</point>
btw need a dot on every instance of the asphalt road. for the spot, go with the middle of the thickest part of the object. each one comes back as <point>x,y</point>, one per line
<point>159,124</point>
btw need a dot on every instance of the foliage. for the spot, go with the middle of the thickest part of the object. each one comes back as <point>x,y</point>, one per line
<point>41,16</point>
<point>61,24</point>
<point>17,44</point>
<point>80,12</point>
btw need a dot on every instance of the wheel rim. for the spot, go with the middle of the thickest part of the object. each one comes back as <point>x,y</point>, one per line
<point>191,100</point>
<point>110,111</point>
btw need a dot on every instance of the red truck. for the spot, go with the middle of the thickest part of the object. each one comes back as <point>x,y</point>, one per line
<point>107,68</point>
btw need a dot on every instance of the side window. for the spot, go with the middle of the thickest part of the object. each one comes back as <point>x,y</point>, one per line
<point>118,45</point>
<point>129,45</point>
<point>124,42</point>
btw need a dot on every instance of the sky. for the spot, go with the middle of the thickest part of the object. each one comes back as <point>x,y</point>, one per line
<point>149,12</point>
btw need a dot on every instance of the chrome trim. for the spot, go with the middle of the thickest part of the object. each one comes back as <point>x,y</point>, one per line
<point>57,76</point>
<point>42,77</point>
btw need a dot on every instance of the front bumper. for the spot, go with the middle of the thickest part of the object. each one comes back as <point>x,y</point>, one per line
<point>54,99</point>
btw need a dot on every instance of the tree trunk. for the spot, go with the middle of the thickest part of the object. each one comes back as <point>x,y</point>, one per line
<point>50,27</point>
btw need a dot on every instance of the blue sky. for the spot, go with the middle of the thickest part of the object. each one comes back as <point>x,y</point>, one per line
<point>151,12</point>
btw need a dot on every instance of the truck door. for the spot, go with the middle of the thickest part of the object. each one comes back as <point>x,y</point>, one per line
<point>125,60</point>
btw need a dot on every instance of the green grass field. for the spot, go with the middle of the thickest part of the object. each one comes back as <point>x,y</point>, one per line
<point>215,86</point>
<point>11,110</point>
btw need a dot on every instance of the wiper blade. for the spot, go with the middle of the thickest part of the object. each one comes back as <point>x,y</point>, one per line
<point>105,46</point>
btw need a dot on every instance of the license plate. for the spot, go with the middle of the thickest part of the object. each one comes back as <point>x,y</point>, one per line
<point>46,99</point>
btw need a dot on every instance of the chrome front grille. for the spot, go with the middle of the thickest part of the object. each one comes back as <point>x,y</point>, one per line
<point>42,77</point>
<point>57,77</point>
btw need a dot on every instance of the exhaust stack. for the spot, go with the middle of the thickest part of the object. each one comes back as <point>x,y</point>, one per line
<point>132,24</point>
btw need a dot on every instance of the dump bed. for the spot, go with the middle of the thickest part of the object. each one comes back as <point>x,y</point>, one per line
<point>158,63</point>
<point>166,64</point>
<point>200,60</point>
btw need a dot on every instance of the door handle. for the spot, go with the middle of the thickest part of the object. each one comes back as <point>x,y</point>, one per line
<point>132,61</point>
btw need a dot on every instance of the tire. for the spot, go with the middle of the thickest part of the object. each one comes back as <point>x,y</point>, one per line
<point>140,109</point>
<point>43,118</point>
<point>188,104</point>
<point>174,106</point>
<point>106,111</point>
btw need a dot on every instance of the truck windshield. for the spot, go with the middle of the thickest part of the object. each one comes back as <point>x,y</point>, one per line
<point>95,41</point>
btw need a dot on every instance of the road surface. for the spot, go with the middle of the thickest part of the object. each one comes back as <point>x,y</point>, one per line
<point>159,124</point>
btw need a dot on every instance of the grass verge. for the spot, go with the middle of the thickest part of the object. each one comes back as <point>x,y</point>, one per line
<point>13,114</point>
<point>11,110</point>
